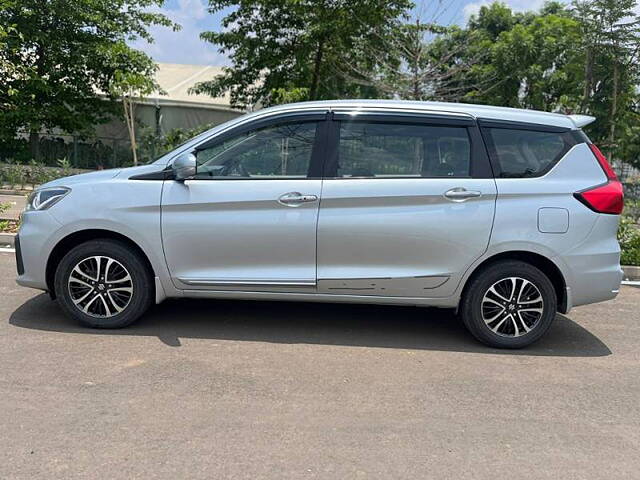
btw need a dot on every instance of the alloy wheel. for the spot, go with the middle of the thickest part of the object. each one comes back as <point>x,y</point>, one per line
<point>100,286</point>
<point>512,307</point>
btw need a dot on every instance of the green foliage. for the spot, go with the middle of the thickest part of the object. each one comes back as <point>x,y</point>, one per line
<point>629,233</point>
<point>7,225</point>
<point>283,95</point>
<point>579,59</point>
<point>632,210</point>
<point>629,238</point>
<point>611,35</point>
<point>65,166</point>
<point>284,49</point>
<point>153,147</point>
<point>532,60</point>
<point>56,56</point>
<point>22,176</point>
<point>535,62</point>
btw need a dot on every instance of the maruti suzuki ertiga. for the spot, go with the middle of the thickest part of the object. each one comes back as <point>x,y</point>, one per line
<point>507,216</point>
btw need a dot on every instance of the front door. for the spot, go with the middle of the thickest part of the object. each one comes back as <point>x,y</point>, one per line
<point>407,205</point>
<point>248,219</point>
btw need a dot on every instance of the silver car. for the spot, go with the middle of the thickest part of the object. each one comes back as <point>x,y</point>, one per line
<point>507,216</point>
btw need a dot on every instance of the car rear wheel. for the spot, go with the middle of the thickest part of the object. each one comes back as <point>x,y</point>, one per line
<point>103,284</point>
<point>510,304</point>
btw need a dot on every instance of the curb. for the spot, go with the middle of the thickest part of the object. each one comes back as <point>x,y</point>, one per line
<point>15,193</point>
<point>7,239</point>
<point>631,273</point>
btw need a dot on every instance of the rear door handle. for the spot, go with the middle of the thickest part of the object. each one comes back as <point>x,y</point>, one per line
<point>461,194</point>
<point>295,199</point>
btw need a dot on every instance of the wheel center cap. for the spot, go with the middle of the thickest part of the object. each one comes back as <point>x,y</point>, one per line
<point>101,287</point>
<point>511,307</point>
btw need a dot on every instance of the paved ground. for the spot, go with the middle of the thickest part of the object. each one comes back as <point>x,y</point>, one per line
<point>207,389</point>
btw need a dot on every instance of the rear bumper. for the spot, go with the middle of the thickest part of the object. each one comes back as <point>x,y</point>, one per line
<point>596,277</point>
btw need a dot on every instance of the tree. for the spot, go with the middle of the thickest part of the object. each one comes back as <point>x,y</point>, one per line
<point>579,59</point>
<point>410,62</point>
<point>59,55</point>
<point>282,49</point>
<point>533,59</point>
<point>612,43</point>
<point>130,88</point>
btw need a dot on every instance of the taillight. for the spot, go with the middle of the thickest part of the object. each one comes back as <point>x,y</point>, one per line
<point>602,160</point>
<point>606,198</point>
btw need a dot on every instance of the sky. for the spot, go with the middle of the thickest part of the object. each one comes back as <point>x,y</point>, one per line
<point>185,45</point>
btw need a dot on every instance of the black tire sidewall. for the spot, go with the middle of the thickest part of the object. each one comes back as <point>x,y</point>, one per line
<point>472,303</point>
<point>140,276</point>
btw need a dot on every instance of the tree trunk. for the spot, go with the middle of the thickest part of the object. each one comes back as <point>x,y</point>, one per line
<point>34,144</point>
<point>415,74</point>
<point>130,118</point>
<point>614,109</point>
<point>315,80</point>
<point>415,68</point>
<point>416,83</point>
<point>588,78</point>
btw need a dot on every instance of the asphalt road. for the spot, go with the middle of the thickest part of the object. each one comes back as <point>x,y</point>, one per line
<point>215,390</point>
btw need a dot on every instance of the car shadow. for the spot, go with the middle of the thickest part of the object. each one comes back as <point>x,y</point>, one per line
<point>311,323</point>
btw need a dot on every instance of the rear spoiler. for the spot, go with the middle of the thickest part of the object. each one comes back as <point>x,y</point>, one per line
<point>582,120</point>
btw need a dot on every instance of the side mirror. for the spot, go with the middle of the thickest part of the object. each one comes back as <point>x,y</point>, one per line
<point>184,166</point>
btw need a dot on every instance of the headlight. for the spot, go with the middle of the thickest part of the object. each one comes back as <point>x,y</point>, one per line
<point>46,197</point>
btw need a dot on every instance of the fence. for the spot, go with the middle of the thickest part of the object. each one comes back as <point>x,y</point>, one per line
<point>77,151</point>
<point>92,153</point>
<point>631,191</point>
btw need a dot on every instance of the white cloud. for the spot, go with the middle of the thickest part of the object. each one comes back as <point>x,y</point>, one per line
<point>516,5</point>
<point>185,45</point>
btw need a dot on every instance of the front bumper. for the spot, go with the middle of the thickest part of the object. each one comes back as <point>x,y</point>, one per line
<point>33,247</point>
<point>19,263</point>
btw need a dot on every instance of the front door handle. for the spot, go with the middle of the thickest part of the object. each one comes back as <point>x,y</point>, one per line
<point>295,199</point>
<point>460,194</point>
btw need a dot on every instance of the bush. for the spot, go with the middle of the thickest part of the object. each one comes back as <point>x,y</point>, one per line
<point>629,238</point>
<point>152,147</point>
<point>21,176</point>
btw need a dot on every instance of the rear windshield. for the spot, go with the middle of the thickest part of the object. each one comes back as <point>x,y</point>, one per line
<point>527,153</point>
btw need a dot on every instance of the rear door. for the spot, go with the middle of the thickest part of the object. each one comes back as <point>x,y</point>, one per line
<point>407,204</point>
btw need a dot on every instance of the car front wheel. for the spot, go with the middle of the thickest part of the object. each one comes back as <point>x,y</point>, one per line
<point>103,284</point>
<point>510,304</point>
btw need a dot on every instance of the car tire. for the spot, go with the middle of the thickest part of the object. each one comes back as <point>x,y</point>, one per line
<point>103,284</point>
<point>509,304</point>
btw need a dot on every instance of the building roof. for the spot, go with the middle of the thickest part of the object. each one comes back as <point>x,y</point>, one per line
<point>176,80</point>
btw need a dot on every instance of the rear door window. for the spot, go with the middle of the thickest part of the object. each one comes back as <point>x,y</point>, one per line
<point>388,150</point>
<point>527,153</point>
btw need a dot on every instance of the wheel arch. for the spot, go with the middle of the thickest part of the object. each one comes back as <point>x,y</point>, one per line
<point>544,264</point>
<point>74,239</point>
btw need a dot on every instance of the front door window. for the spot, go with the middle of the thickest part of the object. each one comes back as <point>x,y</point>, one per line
<point>280,151</point>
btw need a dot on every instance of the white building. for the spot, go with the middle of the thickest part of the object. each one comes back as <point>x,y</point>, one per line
<point>177,108</point>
